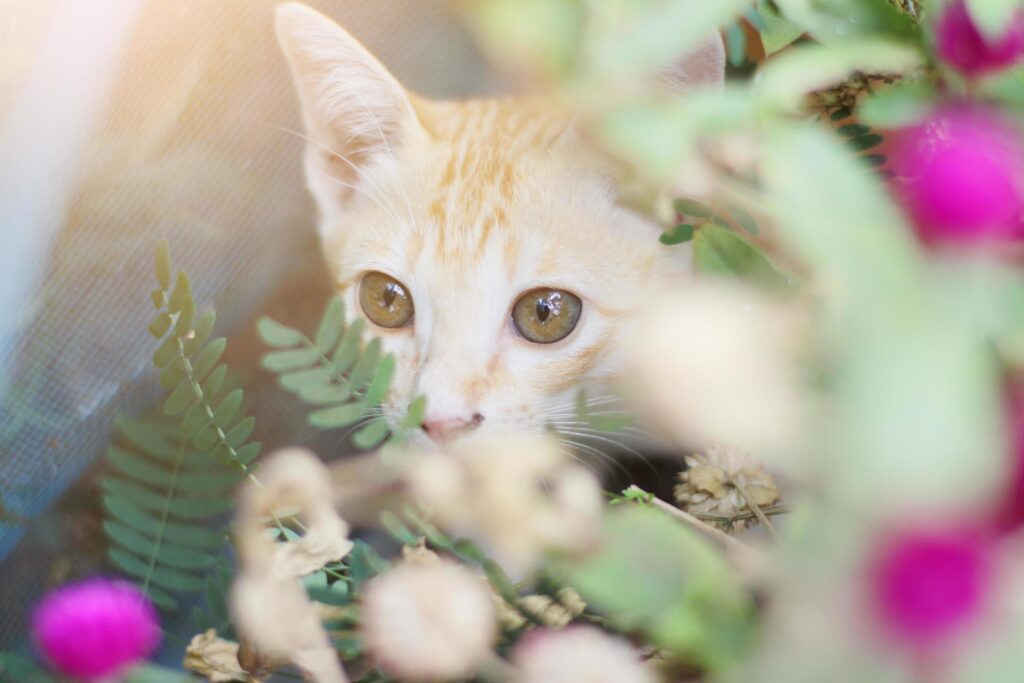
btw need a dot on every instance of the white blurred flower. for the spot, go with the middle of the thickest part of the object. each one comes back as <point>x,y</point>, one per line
<point>578,654</point>
<point>715,362</point>
<point>515,495</point>
<point>214,658</point>
<point>428,622</point>
<point>269,606</point>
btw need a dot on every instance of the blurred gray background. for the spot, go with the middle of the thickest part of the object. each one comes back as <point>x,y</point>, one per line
<point>152,119</point>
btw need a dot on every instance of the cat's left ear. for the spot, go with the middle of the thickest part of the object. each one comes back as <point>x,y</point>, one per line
<point>355,111</point>
<point>702,66</point>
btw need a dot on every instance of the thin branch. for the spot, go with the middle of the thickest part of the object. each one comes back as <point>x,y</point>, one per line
<point>755,508</point>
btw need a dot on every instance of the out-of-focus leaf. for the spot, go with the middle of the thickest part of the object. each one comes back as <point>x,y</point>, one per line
<point>897,106</point>
<point>785,80</point>
<point>677,235</point>
<point>653,574</point>
<point>916,390</point>
<point>720,251</point>
<point>839,20</point>
<point>993,17</point>
<point>778,32</point>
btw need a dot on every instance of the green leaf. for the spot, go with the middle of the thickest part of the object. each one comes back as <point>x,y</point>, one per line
<point>166,352</point>
<point>156,501</point>
<point>162,264</point>
<point>318,394</point>
<point>182,291</point>
<point>165,577</point>
<point>834,21</point>
<point>161,598</point>
<point>900,105</point>
<point>364,563</point>
<point>208,358</point>
<point>841,113</point>
<point>159,298</point>
<point>691,207</point>
<point>366,367</point>
<point>208,437</point>
<point>865,142</point>
<point>785,81</point>
<point>181,398</point>
<point>195,419</point>
<point>274,333</point>
<point>720,251</point>
<point>172,375</point>
<point>296,381</point>
<point>158,328</point>
<point>851,130</point>
<point>331,326</point>
<point>743,219</point>
<point>228,408</point>
<point>398,530</point>
<point>689,600</point>
<point>248,453</point>
<point>184,534</point>
<point>150,673</point>
<point>610,423</point>
<point>144,436</point>
<point>138,468</point>
<point>241,432</point>
<point>165,553</point>
<point>292,359</point>
<point>348,350</point>
<point>213,383</point>
<point>415,414</point>
<point>993,17</point>
<point>185,317</point>
<point>677,235</point>
<point>338,416</point>
<point>372,435</point>
<point>378,388</point>
<point>778,32</point>
<point>736,44</point>
<point>203,329</point>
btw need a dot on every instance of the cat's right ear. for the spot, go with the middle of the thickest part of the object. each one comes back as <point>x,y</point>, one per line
<point>354,110</point>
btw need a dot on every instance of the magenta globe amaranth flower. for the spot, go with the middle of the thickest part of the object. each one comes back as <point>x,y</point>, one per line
<point>95,629</point>
<point>959,43</point>
<point>929,586</point>
<point>960,175</point>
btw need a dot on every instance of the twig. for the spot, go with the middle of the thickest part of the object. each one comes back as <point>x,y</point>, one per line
<point>755,508</point>
<point>688,519</point>
<point>740,516</point>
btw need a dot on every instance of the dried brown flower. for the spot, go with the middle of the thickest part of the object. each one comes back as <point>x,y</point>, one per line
<point>711,486</point>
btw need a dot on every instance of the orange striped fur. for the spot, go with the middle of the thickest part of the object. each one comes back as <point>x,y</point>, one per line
<point>469,204</point>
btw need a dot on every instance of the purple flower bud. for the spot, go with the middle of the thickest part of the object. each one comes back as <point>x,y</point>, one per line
<point>960,175</point>
<point>929,586</point>
<point>960,44</point>
<point>95,629</point>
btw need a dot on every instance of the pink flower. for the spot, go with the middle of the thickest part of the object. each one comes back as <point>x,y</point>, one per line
<point>96,628</point>
<point>960,176</point>
<point>929,586</point>
<point>960,44</point>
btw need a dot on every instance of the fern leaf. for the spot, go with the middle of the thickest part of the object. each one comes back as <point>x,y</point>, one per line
<point>168,478</point>
<point>336,373</point>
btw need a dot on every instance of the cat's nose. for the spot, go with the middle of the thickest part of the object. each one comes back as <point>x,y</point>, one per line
<point>443,429</point>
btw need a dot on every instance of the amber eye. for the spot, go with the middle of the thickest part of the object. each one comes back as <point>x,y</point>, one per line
<point>546,315</point>
<point>385,300</point>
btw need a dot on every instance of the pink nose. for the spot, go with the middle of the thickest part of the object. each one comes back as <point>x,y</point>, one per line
<point>444,429</point>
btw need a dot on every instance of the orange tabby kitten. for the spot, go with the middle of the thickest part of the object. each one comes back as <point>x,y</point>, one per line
<point>480,239</point>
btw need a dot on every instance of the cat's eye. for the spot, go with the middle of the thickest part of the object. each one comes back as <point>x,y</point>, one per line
<point>546,315</point>
<point>385,300</point>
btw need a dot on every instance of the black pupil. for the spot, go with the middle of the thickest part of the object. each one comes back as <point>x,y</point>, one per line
<point>548,306</point>
<point>391,292</point>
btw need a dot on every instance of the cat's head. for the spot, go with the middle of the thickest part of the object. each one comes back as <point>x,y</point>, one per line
<point>482,240</point>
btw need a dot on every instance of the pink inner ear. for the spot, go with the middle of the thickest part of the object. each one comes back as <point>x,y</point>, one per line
<point>702,66</point>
